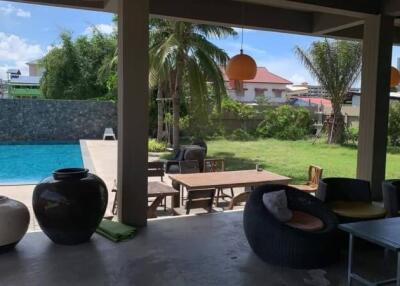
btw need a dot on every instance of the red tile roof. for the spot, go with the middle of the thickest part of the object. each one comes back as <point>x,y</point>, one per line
<point>315,100</point>
<point>263,76</point>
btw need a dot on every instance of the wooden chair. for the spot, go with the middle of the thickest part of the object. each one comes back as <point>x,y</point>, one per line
<point>156,169</point>
<point>217,165</point>
<point>151,209</point>
<point>314,175</point>
<point>240,198</point>
<point>187,167</point>
<point>214,165</point>
<point>200,199</point>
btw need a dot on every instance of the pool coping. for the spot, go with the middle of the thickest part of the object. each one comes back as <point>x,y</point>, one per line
<point>86,158</point>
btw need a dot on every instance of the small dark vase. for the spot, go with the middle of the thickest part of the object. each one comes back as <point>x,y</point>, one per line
<point>70,205</point>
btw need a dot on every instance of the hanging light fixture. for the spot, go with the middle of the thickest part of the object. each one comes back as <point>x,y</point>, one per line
<point>241,66</point>
<point>394,77</point>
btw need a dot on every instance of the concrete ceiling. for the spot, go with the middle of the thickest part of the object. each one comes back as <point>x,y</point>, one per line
<point>331,18</point>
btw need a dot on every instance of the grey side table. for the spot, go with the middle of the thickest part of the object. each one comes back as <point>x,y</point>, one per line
<point>383,232</point>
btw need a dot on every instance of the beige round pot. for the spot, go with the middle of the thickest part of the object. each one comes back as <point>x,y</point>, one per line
<point>14,222</point>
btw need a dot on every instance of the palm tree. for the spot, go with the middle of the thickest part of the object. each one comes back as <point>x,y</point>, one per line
<point>336,65</point>
<point>181,51</point>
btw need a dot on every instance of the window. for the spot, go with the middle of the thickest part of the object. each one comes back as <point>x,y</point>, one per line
<point>259,92</point>
<point>277,93</point>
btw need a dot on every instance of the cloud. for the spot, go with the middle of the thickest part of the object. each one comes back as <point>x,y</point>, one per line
<point>23,13</point>
<point>16,51</point>
<point>11,10</point>
<point>103,28</point>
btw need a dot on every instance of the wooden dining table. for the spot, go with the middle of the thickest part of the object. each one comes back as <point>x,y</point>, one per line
<point>228,179</point>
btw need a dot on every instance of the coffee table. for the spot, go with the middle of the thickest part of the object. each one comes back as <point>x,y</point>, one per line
<point>383,232</point>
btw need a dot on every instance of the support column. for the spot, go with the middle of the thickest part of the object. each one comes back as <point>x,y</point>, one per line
<point>133,44</point>
<point>374,109</point>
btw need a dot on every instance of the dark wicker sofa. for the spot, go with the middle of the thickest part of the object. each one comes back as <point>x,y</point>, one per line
<point>350,199</point>
<point>186,153</point>
<point>280,244</point>
<point>391,197</point>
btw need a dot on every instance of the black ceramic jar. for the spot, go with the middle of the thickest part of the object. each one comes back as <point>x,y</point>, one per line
<point>70,205</point>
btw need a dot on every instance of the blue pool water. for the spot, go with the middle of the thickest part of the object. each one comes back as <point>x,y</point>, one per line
<point>29,163</point>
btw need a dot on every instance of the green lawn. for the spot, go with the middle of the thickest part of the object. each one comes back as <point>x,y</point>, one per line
<point>292,158</point>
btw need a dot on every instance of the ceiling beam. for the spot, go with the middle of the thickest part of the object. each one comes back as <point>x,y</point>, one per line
<point>391,7</point>
<point>352,33</point>
<point>232,13</point>
<point>96,5</point>
<point>328,23</point>
<point>352,8</point>
<point>111,6</point>
<point>357,33</point>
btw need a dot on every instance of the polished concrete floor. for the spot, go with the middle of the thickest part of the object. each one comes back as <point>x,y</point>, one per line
<point>195,250</point>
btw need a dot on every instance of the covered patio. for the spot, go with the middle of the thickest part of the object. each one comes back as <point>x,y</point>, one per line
<point>195,250</point>
<point>209,249</point>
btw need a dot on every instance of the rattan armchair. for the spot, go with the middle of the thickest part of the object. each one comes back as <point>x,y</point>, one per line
<point>280,244</point>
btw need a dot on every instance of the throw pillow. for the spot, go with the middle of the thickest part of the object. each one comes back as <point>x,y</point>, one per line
<point>276,204</point>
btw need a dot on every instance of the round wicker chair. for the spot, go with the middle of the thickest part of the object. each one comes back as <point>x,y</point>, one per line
<point>280,244</point>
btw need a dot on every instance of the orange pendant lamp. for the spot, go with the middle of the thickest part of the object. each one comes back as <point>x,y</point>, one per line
<point>394,77</point>
<point>241,66</point>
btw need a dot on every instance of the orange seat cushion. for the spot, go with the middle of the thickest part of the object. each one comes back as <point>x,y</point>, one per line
<point>305,221</point>
<point>306,188</point>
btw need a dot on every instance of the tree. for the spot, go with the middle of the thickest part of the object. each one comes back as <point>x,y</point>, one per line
<point>73,70</point>
<point>61,70</point>
<point>394,123</point>
<point>336,65</point>
<point>181,52</point>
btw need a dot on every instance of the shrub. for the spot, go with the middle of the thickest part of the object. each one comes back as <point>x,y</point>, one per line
<point>351,135</point>
<point>157,146</point>
<point>286,122</point>
<point>240,135</point>
<point>394,124</point>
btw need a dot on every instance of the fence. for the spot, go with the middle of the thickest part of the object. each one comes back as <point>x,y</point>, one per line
<point>56,120</point>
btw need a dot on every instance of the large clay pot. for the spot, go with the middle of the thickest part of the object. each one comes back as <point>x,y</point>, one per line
<point>14,222</point>
<point>70,205</point>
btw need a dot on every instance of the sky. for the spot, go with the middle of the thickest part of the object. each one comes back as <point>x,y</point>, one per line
<point>27,32</point>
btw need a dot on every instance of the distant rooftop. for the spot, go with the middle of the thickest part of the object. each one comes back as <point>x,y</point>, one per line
<point>34,62</point>
<point>263,76</point>
<point>26,80</point>
<point>315,100</point>
<point>13,71</point>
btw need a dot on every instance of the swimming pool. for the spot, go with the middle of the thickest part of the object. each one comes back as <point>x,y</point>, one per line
<point>28,163</point>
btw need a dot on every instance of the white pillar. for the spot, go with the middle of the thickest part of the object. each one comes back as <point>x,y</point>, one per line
<point>133,96</point>
<point>374,107</point>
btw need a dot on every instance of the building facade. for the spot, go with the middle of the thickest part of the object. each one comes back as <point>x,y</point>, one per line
<point>266,86</point>
<point>19,86</point>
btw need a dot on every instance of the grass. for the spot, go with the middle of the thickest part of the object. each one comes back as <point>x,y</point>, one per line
<point>292,158</point>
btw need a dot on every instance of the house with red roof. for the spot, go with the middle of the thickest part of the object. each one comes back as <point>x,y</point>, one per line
<point>265,84</point>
